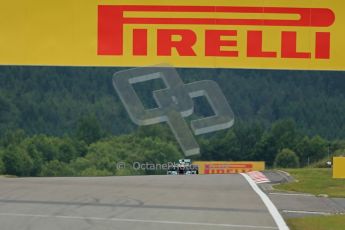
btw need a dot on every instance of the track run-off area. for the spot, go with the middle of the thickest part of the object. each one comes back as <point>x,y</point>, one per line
<point>199,202</point>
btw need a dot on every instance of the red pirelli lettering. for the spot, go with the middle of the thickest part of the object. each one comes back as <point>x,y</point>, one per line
<point>214,43</point>
<point>111,22</point>
<point>322,47</point>
<point>289,46</point>
<point>140,46</point>
<point>184,46</point>
<point>254,44</point>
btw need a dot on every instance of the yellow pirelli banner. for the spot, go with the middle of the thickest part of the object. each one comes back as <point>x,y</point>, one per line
<point>339,167</point>
<point>229,167</point>
<point>273,34</point>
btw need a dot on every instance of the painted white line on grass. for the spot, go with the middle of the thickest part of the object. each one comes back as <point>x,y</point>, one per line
<point>270,206</point>
<point>286,173</point>
<point>137,220</point>
<point>291,194</point>
<point>308,212</point>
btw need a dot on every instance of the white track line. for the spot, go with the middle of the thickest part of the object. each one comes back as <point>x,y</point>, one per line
<point>270,206</point>
<point>291,194</point>
<point>308,212</point>
<point>137,220</point>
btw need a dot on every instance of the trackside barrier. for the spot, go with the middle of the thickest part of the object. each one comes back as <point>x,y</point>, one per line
<point>229,167</point>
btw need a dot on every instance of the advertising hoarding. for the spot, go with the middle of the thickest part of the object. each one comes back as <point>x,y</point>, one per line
<point>266,34</point>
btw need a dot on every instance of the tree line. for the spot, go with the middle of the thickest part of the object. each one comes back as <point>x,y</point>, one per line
<point>51,100</point>
<point>92,152</point>
<point>70,121</point>
<point>89,152</point>
<point>253,143</point>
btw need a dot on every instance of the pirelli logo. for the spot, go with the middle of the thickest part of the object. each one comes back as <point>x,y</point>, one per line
<point>227,168</point>
<point>173,35</point>
<point>246,34</point>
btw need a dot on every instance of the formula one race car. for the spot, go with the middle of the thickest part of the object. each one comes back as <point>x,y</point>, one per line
<point>184,167</point>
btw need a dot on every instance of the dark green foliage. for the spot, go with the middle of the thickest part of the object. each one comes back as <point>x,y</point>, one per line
<point>283,134</point>
<point>2,166</point>
<point>8,113</point>
<point>17,161</point>
<point>93,171</point>
<point>286,158</point>
<point>71,121</point>
<point>159,130</point>
<point>129,149</point>
<point>28,156</point>
<point>339,152</point>
<point>51,100</point>
<point>12,137</point>
<point>89,130</point>
<point>56,168</point>
<point>42,155</point>
<point>311,149</point>
<point>249,141</point>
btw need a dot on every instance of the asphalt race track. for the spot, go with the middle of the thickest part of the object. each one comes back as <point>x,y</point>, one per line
<point>138,202</point>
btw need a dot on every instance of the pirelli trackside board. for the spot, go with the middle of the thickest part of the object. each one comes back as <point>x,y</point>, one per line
<point>270,34</point>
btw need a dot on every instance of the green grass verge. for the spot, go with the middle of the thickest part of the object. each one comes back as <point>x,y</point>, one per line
<point>314,181</point>
<point>317,223</point>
